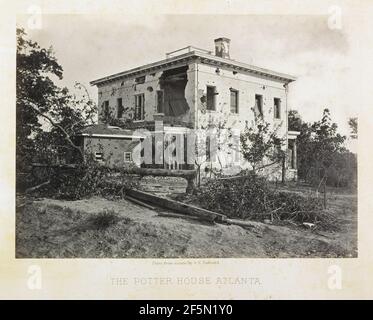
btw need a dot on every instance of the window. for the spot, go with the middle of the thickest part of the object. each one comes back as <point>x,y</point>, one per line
<point>277,108</point>
<point>106,108</point>
<point>234,101</point>
<point>211,93</point>
<point>139,107</point>
<point>259,104</point>
<point>140,80</point>
<point>99,156</point>
<point>119,108</point>
<point>159,101</point>
<point>127,157</point>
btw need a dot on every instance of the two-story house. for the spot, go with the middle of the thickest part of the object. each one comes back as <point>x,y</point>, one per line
<point>192,89</point>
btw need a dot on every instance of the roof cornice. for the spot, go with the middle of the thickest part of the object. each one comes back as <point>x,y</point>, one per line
<point>106,135</point>
<point>204,58</point>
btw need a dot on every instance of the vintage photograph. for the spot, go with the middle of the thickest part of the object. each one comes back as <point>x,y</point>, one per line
<point>185,136</point>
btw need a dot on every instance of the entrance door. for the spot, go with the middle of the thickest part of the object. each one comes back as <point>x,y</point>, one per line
<point>174,153</point>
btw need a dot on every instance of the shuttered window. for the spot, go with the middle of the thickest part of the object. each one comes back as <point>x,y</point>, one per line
<point>139,107</point>
<point>119,108</point>
<point>234,101</point>
<point>127,157</point>
<point>277,108</point>
<point>210,93</point>
<point>259,104</point>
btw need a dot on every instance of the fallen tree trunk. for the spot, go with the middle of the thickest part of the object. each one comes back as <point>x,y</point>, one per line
<point>141,203</point>
<point>188,175</point>
<point>237,177</point>
<point>55,165</point>
<point>177,206</point>
<point>163,172</point>
<point>38,186</point>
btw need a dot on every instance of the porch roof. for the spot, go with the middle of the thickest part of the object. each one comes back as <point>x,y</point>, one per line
<point>105,131</point>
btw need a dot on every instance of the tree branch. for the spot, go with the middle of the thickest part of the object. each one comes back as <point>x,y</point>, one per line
<point>268,164</point>
<point>67,136</point>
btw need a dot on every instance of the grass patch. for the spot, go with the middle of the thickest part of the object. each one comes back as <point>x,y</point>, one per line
<point>103,220</point>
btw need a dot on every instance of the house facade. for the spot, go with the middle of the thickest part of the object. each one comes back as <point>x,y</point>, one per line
<point>194,90</point>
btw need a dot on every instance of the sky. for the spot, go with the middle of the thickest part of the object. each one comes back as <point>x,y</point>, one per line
<point>324,54</point>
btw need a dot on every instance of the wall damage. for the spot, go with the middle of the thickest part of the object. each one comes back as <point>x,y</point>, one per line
<point>173,83</point>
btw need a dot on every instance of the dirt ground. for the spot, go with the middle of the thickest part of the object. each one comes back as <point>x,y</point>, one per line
<point>101,228</point>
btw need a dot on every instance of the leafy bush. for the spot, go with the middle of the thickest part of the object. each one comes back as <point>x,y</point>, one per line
<point>72,184</point>
<point>235,198</point>
<point>85,180</point>
<point>252,197</point>
<point>343,174</point>
<point>322,156</point>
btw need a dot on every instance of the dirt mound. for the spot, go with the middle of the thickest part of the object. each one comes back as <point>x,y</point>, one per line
<point>99,228</point>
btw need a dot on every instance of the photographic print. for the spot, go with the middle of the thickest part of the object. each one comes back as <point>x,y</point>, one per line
<point>193,145</point>
<point>216,151</point>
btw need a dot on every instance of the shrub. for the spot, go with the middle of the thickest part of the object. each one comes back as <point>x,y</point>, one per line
<point>235,198</point>
<point>252,197</point>
<point>103,220</point>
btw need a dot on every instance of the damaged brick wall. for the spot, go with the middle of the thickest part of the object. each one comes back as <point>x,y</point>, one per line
<point>176,83</point>
<point>225,80</point>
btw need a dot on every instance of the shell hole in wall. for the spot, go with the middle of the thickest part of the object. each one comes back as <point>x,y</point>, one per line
<point>171,99</point>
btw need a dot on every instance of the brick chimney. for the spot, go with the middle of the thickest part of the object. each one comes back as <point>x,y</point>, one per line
<point>222,47</point>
